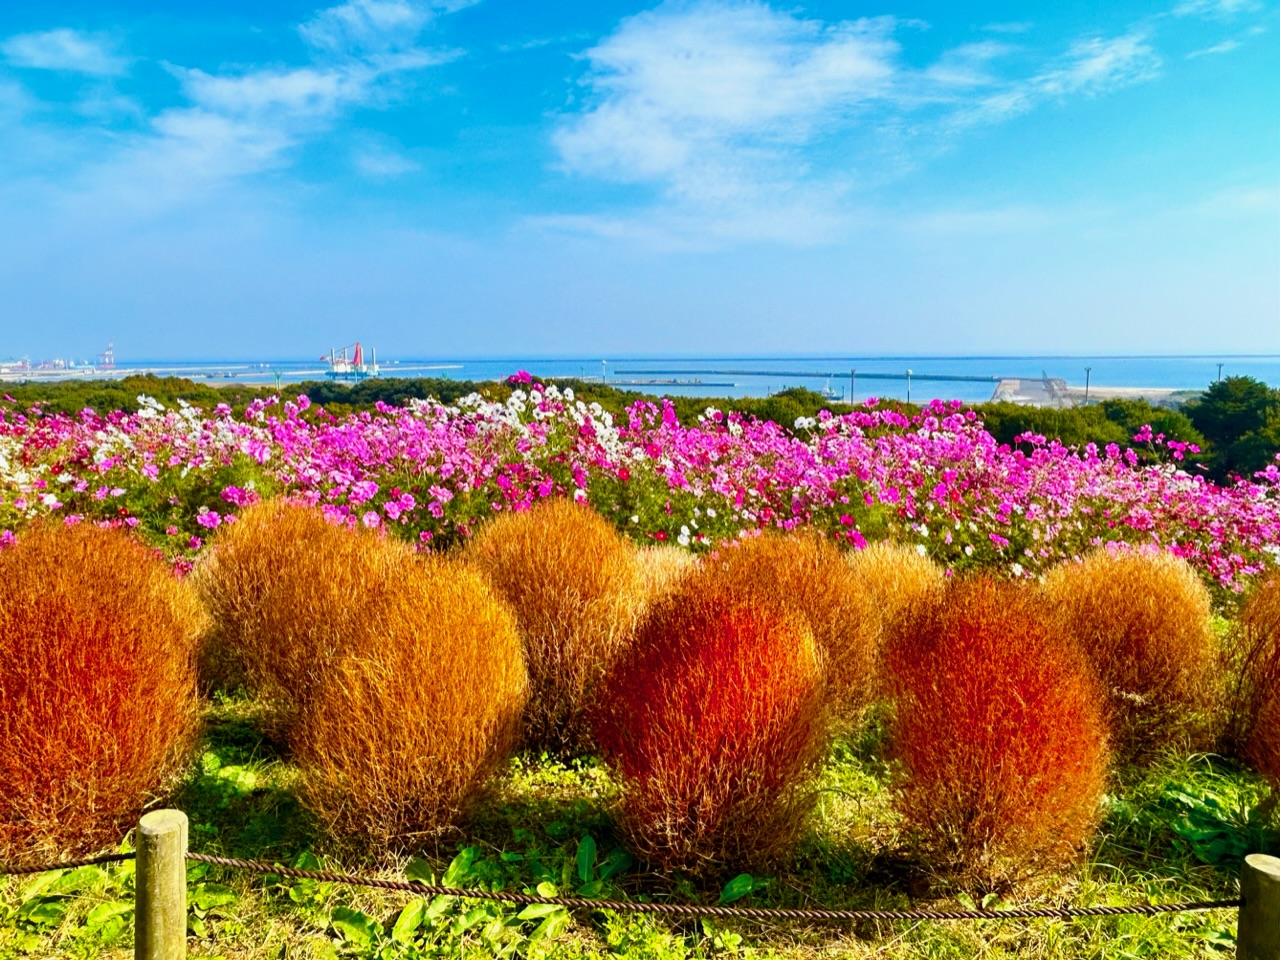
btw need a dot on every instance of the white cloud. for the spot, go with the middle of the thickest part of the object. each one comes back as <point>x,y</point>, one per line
<point>1020,26</point>
<point>1090,67</point>
<point>305,91</point>
<point>383,163</point>
<point>710,96</point>
<point>63,50</point>
<point>748,118</point>
<point>1217,9</point>
<point>968,65</point>
<point>1226,46</point>
<point>1101,64</point>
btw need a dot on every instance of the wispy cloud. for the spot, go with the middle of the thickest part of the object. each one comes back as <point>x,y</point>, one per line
<point>66,50</point>
<point>741,113</point>
<point>238,123</point>
<point>379,162</point>
<point>1219,9</point>
<point>1226,46</point>
<point>714,100</point>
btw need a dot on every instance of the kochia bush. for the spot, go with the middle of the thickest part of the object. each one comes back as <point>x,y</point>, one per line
<point>98,700</point>
<point>1144,619</point>
<point>999,735</point>
<point>286,588</point>
<point>897,579</point>
<point>714,723</point>
<point>419,709</point>
<point>1255,706</point>
<point>577,592</point>
<point>805,573</point>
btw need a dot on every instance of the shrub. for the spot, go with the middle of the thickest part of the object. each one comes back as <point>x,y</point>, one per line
<point>98,703</point>
<point>576,592</point>
<point>1255,704</point>
<point>713,722</point>
<point>896,579</point>
<point>286,588</point>
<point>1144,619</point>
<point>999,735</point>
<point>805,573</point>
<point>662,568</point>
<point>423,704</point>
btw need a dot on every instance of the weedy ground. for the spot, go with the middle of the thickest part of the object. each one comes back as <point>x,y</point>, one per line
<point>1173,831</point>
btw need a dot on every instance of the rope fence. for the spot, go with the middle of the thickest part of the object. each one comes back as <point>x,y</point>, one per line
<point>161,907</point>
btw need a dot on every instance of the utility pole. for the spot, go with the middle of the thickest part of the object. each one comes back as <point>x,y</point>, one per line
<point>908,386</point>
<point>1087,370</point>
<point>853,381</point>
<point>1219,371</point>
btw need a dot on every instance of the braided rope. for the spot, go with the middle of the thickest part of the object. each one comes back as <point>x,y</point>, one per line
<point>696,910</point>
<point>7,871</point>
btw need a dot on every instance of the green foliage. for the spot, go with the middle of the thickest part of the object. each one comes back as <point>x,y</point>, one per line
<point>1240,417</point>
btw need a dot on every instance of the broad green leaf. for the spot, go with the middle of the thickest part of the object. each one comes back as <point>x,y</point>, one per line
<point>206,896</point>
<point>551,927</point>
<point>459,871</point>
<point>618,861</point>
<point>107,911</point>
<point>420,870</point>
<point>547,889</point>
<point>409,921</point>
<point>586,858</point>
<point>354,926</point>
<point>592,889</point>
<point>536,911</point>
<point>42,883</point>
<point>77,880</point>
<point>737,888</point>
<point>470,919</point>
<point>306,860</point>
<point>439,906</point>
<point>43,912</point>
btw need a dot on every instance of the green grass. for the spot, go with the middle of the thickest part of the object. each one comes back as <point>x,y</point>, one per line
<point>1175,831</point>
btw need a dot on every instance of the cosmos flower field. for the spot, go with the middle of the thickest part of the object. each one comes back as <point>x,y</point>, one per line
<point>432,473</point>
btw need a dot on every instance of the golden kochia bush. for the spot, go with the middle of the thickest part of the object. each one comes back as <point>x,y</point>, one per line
<point>897,579</point>
<point>663,567</point>
<point>98,698</point>
<point>714,722</point>
<point>285,588</point>
<point>805,573</point>
<point>1144,619</point>
<point>577,593</point>
<point>999,734</point>
<point>409,721</point>
<point>1255,707</point>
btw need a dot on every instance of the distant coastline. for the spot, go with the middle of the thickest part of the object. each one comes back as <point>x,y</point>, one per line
<point>1031,380</point>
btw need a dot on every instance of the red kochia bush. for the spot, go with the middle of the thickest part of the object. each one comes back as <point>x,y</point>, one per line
<point>714,723</point>
<point>1255,706</point>
<point>98,708</point>
<point>1000,735</point>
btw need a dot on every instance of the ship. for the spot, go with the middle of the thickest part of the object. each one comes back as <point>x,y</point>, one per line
<point>353,367</point>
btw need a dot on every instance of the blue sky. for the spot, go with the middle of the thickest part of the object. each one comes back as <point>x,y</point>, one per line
<point>726,177</point>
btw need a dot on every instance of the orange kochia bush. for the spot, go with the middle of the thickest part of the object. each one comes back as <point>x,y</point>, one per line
<point>422,705</point>
<point>999,734</point>
<point>577,592</point>
<point>98,699</point>
<point>286,588</point>
<point>1143,617</point>
<point>714,723</point>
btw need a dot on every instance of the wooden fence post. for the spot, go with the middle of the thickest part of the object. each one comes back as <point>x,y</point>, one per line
<point>160,910</point>
<point>1258,937</point>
